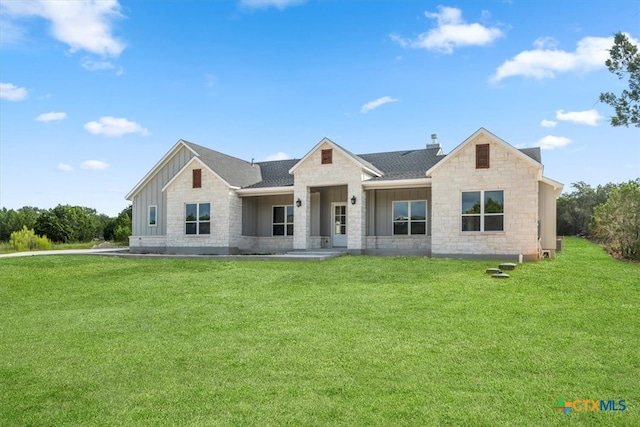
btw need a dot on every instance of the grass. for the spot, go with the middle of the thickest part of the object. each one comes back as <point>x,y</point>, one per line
<point>349,341</point>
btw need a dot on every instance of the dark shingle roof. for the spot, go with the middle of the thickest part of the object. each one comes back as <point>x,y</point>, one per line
<point>403,164</point>
<point>275,173</point>
<point>534,153</point>
<point>236,172</point>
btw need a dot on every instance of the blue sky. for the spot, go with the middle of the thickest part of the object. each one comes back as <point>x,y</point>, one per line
<point>94,93</point>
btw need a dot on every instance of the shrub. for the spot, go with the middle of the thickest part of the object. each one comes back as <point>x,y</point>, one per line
<point>27,240</point>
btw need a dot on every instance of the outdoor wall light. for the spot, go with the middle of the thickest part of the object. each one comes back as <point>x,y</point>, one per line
<point>298,203</point>
<point>353,200</point>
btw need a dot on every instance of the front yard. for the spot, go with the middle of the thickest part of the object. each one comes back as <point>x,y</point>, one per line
<point>90,340</point>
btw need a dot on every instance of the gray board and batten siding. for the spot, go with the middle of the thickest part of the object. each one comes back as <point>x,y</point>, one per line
<point>152,194</point>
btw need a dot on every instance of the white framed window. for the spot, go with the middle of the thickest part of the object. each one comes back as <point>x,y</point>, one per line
<point>198,218</point>
<point>152,218</point>
<point>282,224</point>
<point>409,217</point>
<point>483,210</point>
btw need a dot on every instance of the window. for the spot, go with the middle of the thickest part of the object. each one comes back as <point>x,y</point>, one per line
<point>198,218</point>
<point>197,178</point>
<point>327,156</point>
<point>482,156</point>
<point>153,211</point>
<point>410,217</point>
<point>483,210</point>
<point>283,220</point>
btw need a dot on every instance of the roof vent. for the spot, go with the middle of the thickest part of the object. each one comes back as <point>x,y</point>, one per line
<point>434,142</point>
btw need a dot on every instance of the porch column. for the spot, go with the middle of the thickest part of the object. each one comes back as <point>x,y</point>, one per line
<point>301,217</point>
<point>356,217</point>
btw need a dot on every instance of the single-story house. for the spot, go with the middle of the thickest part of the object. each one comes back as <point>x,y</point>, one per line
<point>485,198</point>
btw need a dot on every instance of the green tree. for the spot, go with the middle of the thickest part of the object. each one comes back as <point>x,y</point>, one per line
<point>624,62</point>
<point>119,229</point>
<point>66,223</point>
<point>616,223</point>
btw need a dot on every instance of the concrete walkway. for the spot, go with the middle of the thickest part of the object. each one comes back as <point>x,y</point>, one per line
<point>67,252</point>
<point>124,253</point>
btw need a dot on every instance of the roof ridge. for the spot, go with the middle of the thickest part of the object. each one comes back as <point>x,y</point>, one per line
<point>193,144</point>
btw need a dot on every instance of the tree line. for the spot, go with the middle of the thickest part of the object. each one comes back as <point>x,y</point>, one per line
<point>608,214</point>
<point>66,224</point>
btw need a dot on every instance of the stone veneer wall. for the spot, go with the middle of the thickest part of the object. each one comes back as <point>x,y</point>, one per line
<point>147,244</point>
<point>340,172</point>
<point>275,244</point>
<point>398,245</point>
<point>518,179</point>
<point>224,220</point>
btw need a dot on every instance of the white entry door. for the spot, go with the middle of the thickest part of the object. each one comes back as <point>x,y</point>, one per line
<point>339,225</point>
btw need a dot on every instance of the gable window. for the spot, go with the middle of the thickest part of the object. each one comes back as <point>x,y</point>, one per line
<point>198,218</point>
<point>327,156</point>
<point>410,217</point>
<point>282,220</point>
<point>482,156</point>
<point>153,211</point>
<point>197,178</point>
<point>483,210</point>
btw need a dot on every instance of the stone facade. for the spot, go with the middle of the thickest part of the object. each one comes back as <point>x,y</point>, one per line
<point>508,172</point>
<point>226,218</point>
<point>342,171</point>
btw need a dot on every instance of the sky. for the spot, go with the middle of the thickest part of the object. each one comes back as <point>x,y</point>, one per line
<point>94,93</point>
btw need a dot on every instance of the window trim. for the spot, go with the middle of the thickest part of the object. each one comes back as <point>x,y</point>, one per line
<point>483,156</point>
<point>155,224</point>
<point>482,213</point>
<point>197,221</point>
<point>409,221</point>
<point>285,223</point>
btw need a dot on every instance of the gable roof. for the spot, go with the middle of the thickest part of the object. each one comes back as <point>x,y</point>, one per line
<point>385,166</point>
<point>368,167</point>
<point>236,172</point>
<point>154,170</point>
<point>528,155</point>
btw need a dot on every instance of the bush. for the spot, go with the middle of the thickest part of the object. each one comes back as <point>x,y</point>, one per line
<point>27,240</point>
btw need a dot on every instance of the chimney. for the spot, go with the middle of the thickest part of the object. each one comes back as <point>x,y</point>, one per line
<point>434,142</point>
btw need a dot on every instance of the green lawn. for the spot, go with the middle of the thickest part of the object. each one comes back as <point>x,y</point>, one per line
<point>349,341</point>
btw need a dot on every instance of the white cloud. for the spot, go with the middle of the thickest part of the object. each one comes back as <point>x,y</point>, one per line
<point>548,123</point>
<point>91,65</point>
<point>113,126</point>
<point>452,32</point>
<point>94,165</point>
<point>64,167</point>
<point>11,92</point>
<point>280,155</point>
<point>587,117</point>
<point>376,103</point>
<point>546,61</point>
<point>550,142</point>
<point>545,43</point>
<point>49,117</point>
<point>82,25</point>
<point>280,4</point>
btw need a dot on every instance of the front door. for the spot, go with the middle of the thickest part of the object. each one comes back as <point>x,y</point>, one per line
<point>339,225</point>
